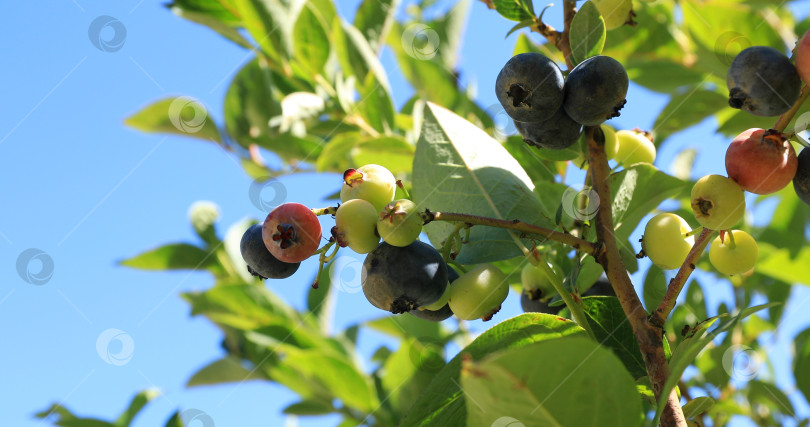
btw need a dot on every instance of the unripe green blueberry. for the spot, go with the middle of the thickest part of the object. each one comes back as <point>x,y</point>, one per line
<point>634,147</point>
<point>372,183</point>
<point>356,226</point>
<point>478,293</point>
<point>536,281</point>
<point>665,241</point>
<point>718,202</point>
<point>399,223</point>
<point>735,257</point>
<point>614,12</point>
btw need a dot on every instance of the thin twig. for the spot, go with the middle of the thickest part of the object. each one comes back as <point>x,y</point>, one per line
<point>676,285</point>
<point>517,225</point>
<point>648,336</point>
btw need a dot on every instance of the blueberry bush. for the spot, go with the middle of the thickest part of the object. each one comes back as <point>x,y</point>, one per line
<point>456,211</point>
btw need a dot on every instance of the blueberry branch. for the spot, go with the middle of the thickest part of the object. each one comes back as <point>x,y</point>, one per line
<point>649,336</point>
<point>676,285</point>
<point>471,220</point>
<point>560,39</point>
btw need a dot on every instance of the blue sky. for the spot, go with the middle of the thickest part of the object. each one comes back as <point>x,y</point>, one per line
<point>88,192</point>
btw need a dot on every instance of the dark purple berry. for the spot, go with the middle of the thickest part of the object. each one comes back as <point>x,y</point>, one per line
<point>762,81</point>
<point>530,87</point>
<point>595,90</point>
<point>260,261</point>
<point>400,279</point>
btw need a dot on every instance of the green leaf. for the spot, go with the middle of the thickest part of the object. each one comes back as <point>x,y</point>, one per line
<point>138,402</point>
<point>587,386</point>
<point>320,301</point>
<point>175,420</point>
<point>407,326</point>
<point>697,406</point>
<point>655,287</point>
<point>408,371</point>
<point>175,256</point>
<point>450,29</point>
<point>250,103</point>
<point>336,155</point>
<point>213,16</point>
<point>310,41</point>
<point>587,33</point>
<point>540,171</point>
<point>459,168</point>
<point>611,329</point>
<point>690,347</point>
<point>801,362</point>
<point>309,407</point>
<point>355,55</point>
<point>242,306</point>
<point>264,20</point>
<point>375,105</point>
<point>442,403</point>
<point>374,18</point>
<point>226,370</point>
<point>636,191</point>
<point>661,75</point>
<point>778,263</point>
<point>180,115</point>
<point>338,376</point>
<point>771,396</point>
<point>685,110</point>
<point>515,10</point>
<point>524,44</point>
<point>393,152</point>
<point>791,214</point>
<point>432,80</point>
<point>213,8</point>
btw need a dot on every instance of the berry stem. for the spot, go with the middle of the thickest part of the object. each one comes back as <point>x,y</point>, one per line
<point>404,191</point>
<point>694,232</point>
<point>785,118</point>
<point>661,313</point>
<point>323,259</point>
<point>648,335</point>
<point>471,220</point>
<point>731,243</point>
<point>574,306</point>
<point>331,210</point>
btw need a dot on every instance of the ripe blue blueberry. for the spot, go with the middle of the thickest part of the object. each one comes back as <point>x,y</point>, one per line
<point>530,87</point>
<point>595,90</point>
<point>762,81</point>
<point>259,260</point>
<point>556,133</point>
<point>400,279</point>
